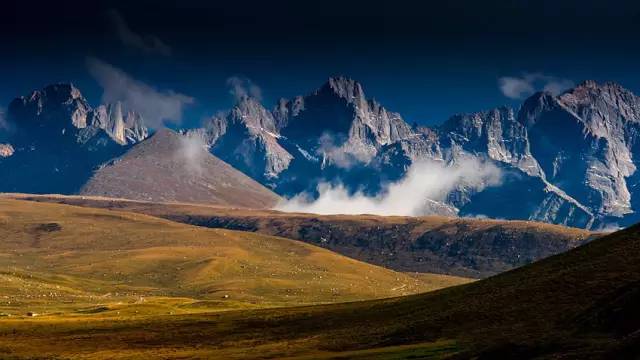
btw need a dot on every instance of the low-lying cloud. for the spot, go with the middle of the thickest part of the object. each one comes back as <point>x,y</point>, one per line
<point>414,195</point>
<point>609,228</point>
<point>329,149</point>
<point>156,107</point>
<point>147,43</point>
<point>192,153</point>
<point>529,83</point>
<point>240,87</point>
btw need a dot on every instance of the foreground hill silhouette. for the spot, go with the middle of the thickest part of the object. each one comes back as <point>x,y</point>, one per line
<point>65,260</point>
<point>578,305</point>
<point>473,248</point>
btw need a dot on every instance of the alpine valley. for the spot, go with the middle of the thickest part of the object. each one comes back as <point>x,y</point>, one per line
<point>569,159</point>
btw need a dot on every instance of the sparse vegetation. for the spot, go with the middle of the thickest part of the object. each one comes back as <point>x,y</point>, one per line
<point>473,248</point>
<point>59,259</point>
<point>155,303</point>
<point>581,304</point>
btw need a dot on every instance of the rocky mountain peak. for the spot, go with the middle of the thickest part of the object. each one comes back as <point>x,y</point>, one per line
<point>345,88</point>
<point>589,84</point>
<point>533,106</point>
<point>60,92</point>
<point>46,107</point>
<point>123,128</point>
<point>592,87</point>
<point>603,98</point>
<point>285,109</point>
<point>256,117</point>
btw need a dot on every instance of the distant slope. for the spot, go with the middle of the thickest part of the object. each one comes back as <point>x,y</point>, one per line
<point>174,168</point>
<point>464,247</point>
<point>107,255</point>
<point>577,305</point>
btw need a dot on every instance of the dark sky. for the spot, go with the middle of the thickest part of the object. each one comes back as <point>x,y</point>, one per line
<point>425,61</point>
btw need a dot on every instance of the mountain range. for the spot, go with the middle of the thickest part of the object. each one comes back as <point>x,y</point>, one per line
<point>568,159</point>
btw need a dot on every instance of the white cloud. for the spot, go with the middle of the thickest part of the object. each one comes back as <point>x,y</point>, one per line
<point>156,107</point>
<point>515,88</point>
<point>529,83</point>
<point>558,86</point>
<point>241,87</point>
<point>609,228</point>
<point>413,195</point>
<point>192,152</point>
<point>147,43</point>
<point>338,155</point>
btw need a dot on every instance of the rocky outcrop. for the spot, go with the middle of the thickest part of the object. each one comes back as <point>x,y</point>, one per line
<point>586,142</point>
<point>495,134</point>
<point>58,139</point>
<point>122,128</point>
<point>247,137</point>
<point>340,125</point>
<point>316,136</point>
<point>567,159</point>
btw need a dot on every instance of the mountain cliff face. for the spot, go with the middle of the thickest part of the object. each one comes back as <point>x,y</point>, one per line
<point>247,137</point>
<point>57,139</point>
<point>586,143</point>
<point>567,159</point>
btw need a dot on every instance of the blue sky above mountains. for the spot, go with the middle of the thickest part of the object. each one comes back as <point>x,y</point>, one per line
<point>425,61</point>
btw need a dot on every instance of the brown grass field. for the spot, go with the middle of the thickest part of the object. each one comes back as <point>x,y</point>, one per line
<point>474,248</point>
<point>66,259</point>
<point>577,305</point>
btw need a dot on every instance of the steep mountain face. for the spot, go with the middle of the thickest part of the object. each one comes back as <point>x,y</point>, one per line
<point>171,167</point>
<point>495,135</point>
<point>311,138</point>
<point>586,142</point>
<point>565,159</point>
<point>247,137</point>
<point>57,136</point>
<point>338,122</point>
<point>569,159</point>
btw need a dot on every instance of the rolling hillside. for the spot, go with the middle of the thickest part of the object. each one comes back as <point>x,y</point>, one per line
<point>577,305</point>
<point>170,167</point>
<point>465,247</point>
<point>66,259</point>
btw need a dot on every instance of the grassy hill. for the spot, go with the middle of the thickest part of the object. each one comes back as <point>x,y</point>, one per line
<point>61,259</point>
<point>433,244</point>
<point>577,305</point>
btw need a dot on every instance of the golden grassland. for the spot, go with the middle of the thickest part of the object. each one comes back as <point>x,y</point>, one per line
<point>164,210</point>
<point>66,260</point>
<point>118,285</point>
<point>475,248</point>
<point>577,305</point>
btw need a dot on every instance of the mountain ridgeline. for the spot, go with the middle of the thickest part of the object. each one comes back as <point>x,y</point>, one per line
<point>56,139</point>
<point>569,159</point>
